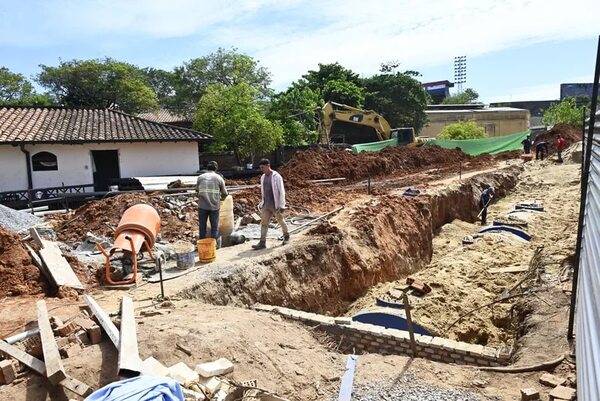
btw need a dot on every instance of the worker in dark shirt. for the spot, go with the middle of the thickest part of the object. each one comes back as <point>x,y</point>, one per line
<point>526,145</point>
<point>484,200</point>
<point>541,150</point>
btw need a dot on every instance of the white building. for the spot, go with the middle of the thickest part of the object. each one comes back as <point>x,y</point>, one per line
<point>50,147</point>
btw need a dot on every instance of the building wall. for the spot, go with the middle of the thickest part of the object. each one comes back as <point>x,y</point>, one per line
<point>75,162</point>
<point>13,169</point>
<point>496,123</point>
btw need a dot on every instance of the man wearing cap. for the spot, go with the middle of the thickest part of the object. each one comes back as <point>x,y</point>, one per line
<point>272,204</point>
<point>484,200</point>
<point>211,191</point>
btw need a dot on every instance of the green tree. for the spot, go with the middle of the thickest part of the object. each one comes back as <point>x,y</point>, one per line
<point>234,115</point>
<point>566,112</point>
<point>100,84</point>
<point>469,96</point>
<point>399,98</point>
<point>295,110</point>
<point>345,92</point>
<point>226,67</point>
<point>462,130</point>
<point>316,80</point>
<point>16,90</point>
<point>163,84</point>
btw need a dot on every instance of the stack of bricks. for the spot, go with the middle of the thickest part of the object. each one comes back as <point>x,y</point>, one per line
<point>375,339</point>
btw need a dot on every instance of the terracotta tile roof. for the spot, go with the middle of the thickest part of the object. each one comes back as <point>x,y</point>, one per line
<point>162,116</point>
<point>67,125</point>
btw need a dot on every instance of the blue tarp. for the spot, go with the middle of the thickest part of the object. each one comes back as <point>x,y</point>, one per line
<point>142,388</point>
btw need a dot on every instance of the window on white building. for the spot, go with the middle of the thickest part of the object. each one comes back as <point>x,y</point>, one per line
<point>44,161</point>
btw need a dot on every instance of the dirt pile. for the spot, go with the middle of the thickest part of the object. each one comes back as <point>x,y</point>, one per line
<point>18,274</point>
<point>326,163</point>
<point>570,134</point>
<point>100,217</point>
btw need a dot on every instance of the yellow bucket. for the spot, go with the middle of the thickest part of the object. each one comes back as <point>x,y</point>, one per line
<point>207,250</point>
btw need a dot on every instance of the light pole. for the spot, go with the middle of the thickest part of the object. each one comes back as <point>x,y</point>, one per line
<point>460,72</point>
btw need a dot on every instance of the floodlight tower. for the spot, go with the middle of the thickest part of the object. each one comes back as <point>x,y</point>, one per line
<point>460,72</point>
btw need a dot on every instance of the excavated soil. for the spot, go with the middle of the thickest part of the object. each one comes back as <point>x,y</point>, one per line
<point>570,134</point>
<point>18,274</point>
<point>320,163</point>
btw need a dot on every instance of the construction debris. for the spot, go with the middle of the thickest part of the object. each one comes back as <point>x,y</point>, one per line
<point>217,368</point>
<point>17,221</point>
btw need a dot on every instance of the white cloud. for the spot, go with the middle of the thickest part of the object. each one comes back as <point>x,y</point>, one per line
<point>292,36</point>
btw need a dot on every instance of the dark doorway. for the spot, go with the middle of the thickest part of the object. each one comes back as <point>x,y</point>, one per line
<point>106,168</point>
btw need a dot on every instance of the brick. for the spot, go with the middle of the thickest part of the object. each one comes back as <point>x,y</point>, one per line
<point>529,394</point>
<point>152,367</point>
<point>219,367</point>
<point>8,372</point>
<point>448,359</point>
<point>82,337</point>
<point>424,340</point>
<point>483,362</point>
<point>380,340</point>
<point>469,359</point>
<point>489,352</point>
<point>455,355</point>
<point>436,357</point>
<point>211,385</point>
<point>62,342</point>
<point>343,320</point>
<point>562,393</point>
<point>70,351</point>
<point>430,350</point>
<point>183,374</point>
<point>95,334</point>
<point>190,395</point>
<point>66,329</point>
<point>552,381</point>
<point>422,354</point>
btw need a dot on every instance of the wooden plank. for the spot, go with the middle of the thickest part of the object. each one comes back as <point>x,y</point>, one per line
<point>55,371</point>
<point>348,379</point>
<point>58,267</point>
<point>36,236</point>
<point>409,323</point>
<point>109,328</point>
<point>511,269</point>
<point>30,361</point>
<point>38,366</point>
<point>130,364</point>
<point>74,385</point>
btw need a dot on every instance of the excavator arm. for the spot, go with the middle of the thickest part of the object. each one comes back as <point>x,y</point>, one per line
<point>340,123</point>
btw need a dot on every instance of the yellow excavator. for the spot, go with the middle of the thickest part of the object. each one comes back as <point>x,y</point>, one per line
<point>340,124</point>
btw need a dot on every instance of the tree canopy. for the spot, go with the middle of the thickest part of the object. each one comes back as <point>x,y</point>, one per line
<point>469,96</point>
<point>399,98</point>
<point>566,112</point>
<point>295,110</point>
<point>225,67</point>
<point>16,90</point>
<point>99,83</point>
<point>463,130</point>
<point>235,117</point>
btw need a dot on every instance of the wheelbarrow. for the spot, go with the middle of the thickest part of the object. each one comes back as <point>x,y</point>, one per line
<point>136,232</point>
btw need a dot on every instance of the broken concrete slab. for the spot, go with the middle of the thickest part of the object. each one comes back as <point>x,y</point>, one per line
<point>562,393</point>
<point>183,374</point>
<point>552,381</point>
<point>209,385</point>
<point>529,394</point>
<point>8,372</point>
<point>152,367</point>
<point>216,368</point>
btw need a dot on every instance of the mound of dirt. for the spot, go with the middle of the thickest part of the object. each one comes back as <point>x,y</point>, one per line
<point>18,274</point>
<point>322,163</point>
<point>570,134</point>
<point>100,217</point>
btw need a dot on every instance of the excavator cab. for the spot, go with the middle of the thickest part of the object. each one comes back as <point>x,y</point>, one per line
<point>406,136</point>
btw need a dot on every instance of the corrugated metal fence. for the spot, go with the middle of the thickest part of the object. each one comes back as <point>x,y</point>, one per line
<point>588,290</point>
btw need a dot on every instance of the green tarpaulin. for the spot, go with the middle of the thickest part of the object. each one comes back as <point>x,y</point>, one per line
<point>373,146</point>
<point>493,145</point>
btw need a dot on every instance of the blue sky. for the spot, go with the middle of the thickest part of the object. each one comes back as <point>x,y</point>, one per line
<point>516,49</point>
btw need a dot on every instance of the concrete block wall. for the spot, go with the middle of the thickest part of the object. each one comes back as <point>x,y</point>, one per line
<point>368,338</point>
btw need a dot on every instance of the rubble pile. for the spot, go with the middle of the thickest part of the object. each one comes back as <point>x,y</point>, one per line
<point>16,220</point>
<point>18,274</point>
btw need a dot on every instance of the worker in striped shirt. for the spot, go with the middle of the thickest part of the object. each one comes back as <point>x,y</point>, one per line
<point>211,191</point>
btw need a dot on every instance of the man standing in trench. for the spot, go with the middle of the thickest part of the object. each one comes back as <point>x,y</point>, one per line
<point>272,204</point>
<point>484,200</point>
<point>211,191</point>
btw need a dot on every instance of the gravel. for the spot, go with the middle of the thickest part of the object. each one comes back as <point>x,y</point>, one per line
<point>16,220</point>
<point>409,388</point>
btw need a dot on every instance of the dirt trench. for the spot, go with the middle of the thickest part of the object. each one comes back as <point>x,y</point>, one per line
<point>337,262</point>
